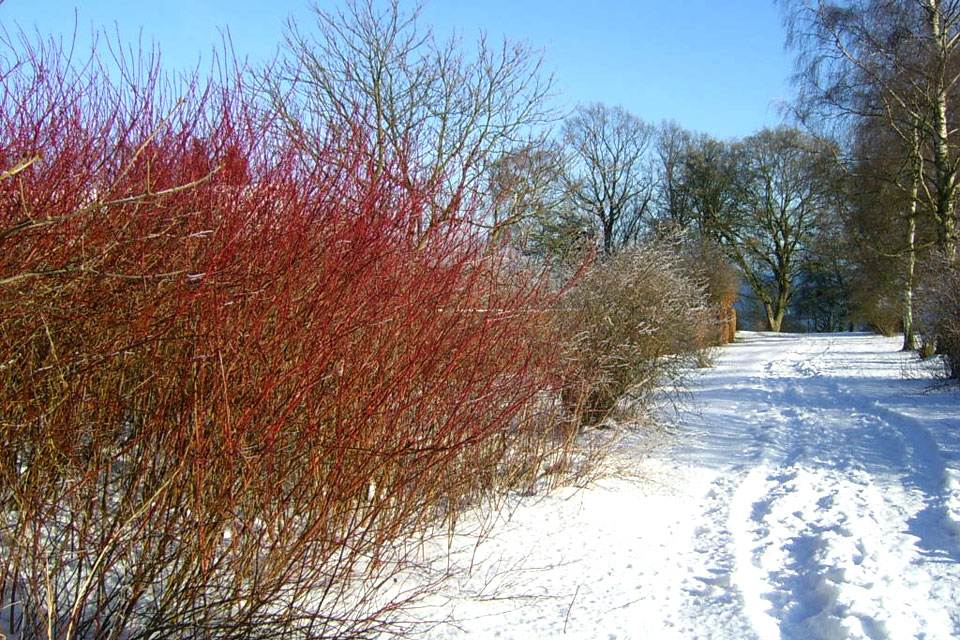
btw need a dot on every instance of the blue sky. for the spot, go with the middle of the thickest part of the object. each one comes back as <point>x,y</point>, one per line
<point>716,66</point>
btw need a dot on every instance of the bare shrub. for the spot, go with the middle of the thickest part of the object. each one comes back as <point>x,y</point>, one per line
<point>705,262</point>
<point>236,384</point>
<point>630,323</point>
<point>938,311</point>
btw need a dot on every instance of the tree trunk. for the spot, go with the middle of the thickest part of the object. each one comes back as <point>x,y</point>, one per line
<point>945,172</point>
<point>608,234</point>
<point>949,237</point>
<point>909,337</point>
<point>774,316</point>
<point>777,309</point>
<point>910,342</point>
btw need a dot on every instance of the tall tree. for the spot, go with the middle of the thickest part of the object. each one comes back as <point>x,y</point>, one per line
<point>609,173</point>
<point>444,110</point>
<point>526,184</point>
<point>531,206</point>
<point>776,199</point>
<point>893,63</point>
<point>709,172</point>
<point>674,207</point>
<point>887,222</point>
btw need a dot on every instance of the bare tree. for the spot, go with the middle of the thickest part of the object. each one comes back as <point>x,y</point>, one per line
<point>778,198</point>
<point>610,174</point>
<point>887,173</point>
<point>525,184</point>
<point>445,113</point>
<point>673,200</point>
<point>707,179</point>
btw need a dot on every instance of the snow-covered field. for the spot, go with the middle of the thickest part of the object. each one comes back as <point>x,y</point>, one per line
<point>811,490</point>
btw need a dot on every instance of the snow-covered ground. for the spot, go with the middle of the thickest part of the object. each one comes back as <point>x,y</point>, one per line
<point>812,490</point>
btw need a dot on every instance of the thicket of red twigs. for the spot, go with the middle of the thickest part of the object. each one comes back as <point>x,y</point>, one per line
<point>236,380</point>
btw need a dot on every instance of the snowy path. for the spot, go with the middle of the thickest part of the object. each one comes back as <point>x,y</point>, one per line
<point>813,492</point>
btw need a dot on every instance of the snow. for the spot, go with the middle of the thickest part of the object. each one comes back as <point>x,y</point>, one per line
<point>810,490</point>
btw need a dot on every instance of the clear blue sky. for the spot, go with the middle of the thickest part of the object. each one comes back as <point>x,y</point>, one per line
<point>716,66</point>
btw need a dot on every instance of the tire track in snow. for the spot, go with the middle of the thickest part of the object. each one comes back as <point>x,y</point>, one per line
<point>713,599</point>
<point>825,561</point>
<point>813,495</point>
<point>842,520</point>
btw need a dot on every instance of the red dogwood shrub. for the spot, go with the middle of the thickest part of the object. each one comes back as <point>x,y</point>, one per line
<point>236,379</point>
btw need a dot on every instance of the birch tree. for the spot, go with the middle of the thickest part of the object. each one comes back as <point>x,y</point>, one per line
<point>894,63</point>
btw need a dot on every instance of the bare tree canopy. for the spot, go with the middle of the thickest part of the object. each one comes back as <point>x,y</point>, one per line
<point>673,200</point>
<point>775,197</point>
<point>707,179</point>
<point>526,184</point>
<point>610,175</point>
<point>445,111</point>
